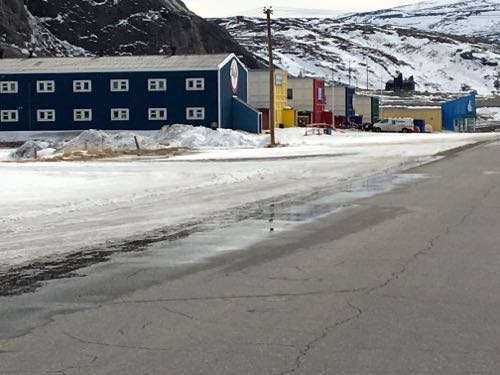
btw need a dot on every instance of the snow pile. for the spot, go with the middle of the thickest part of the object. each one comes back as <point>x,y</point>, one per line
<point>197,137</point>
<point>489,113</point>
<point>100,140</point>
<point>30,150</point>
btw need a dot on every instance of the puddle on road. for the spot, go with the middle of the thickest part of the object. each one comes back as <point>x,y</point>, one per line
<point>230,230</point>
<point>91,276</point>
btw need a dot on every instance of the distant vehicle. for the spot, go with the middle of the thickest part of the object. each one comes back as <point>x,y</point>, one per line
<point>404,125</point>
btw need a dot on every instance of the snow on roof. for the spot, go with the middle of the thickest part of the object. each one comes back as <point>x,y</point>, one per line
<point>114,63</point>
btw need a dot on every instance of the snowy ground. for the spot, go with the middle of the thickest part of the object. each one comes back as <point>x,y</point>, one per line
<point>53,208</point>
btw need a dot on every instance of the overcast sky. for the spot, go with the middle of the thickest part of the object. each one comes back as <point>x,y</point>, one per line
<point>218,8</point>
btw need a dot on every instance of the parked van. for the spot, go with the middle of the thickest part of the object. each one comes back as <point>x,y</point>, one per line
<point>404,125</point>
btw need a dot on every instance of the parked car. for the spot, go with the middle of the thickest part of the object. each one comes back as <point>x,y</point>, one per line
<point>404,125</point>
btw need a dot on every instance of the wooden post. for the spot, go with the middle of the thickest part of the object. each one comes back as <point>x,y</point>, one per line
<point>272,114</point>
<point>137,143</point>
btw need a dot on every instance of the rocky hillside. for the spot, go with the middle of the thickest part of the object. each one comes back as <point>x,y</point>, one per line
<point>313,47</point>
<point>472,18</point>
<point>82,27</point>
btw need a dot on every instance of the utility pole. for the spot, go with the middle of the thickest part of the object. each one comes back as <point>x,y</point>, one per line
<point>381,79</point>
<point>272,116</point>
<point>333,86</point>
<point>367,76</point>
<point>349,73</point>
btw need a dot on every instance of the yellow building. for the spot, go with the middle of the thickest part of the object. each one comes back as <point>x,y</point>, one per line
<point>258,92</point>
<point>289,118</point>
<point>431,115</point>
<point>280,95</point>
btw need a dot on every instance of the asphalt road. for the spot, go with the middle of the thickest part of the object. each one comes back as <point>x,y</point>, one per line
<point>406,282</point>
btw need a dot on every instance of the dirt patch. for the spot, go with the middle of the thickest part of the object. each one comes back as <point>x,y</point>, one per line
<point>11,144</point>
<point>96,154</point>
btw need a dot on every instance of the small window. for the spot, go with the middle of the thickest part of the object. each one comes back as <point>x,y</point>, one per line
<point>45,86</point>
<point>9,116</point>
<point>289,94</point>
<point>82,114</point>
<point>157,114</point>
<point>119,85</point>
<point>120,114</point>
<point>157,84</point>
<point>82,86</point>
<point>195,84</point>
<point>197,113</point>
<point>8,87</point>
<point>46,115</point>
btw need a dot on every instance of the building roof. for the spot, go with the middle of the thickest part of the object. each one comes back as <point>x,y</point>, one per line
<point>114,63</point>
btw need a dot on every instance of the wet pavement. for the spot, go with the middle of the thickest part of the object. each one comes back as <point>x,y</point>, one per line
<point>26,291</point>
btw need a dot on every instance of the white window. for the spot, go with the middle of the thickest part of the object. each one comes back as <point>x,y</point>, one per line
<point>195,84</point>
<point>119,85</point>
<point>157,114</point>
<point>45,86</point>
<point>9,116</point>
<point>155,84</point>
<point>46,115</point>
<point>8,87</point>
<point>82,86</point>
<point>195,113</point>
<point>120,114</point>
<point>82,115</point>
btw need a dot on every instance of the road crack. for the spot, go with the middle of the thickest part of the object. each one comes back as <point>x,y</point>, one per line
<point>303,353</point>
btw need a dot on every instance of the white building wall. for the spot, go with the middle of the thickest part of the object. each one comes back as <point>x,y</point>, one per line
<point>363,107</point>
<point>258,88</point>
<point>302,94</point>
<point>339,104</point>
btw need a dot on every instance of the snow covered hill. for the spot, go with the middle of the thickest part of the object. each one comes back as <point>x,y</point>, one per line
<point>473,18</point>
<point>126,27</point>
<point>312,47</point>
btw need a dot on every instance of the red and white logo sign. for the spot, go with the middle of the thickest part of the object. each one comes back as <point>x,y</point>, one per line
<point>234,76</point>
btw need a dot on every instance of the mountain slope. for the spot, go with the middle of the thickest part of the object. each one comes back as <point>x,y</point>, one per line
<point>66,27</point>
<point>311,47</point>
<point>473,18</point>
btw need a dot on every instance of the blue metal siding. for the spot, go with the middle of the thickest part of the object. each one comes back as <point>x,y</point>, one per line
<point>349,103</point>
<point>138,99</point>
<point>226,93</point>
<point>247,118</point>
<point>464,107</point>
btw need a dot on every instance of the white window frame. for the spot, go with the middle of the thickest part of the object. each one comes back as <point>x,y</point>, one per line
<point>119,85</point>
<point>195,113</point>
<point>9,115</point>
<point>122,114</point>
<point>46,86</point>
<point>195,84</point>
<point>154,114</point>
<point>154,84</point>
<point>46,115</point>
<point>79,85</point>
<point>85,114</point>
<point>9,87</point>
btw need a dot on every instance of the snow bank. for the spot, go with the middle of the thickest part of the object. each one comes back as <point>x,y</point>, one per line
<point>28,150</point>
<point>173,135</point>
<point>98,139</point>
<point>198,137</point>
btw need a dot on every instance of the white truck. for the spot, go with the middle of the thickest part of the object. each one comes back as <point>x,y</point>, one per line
<point>404,125</point>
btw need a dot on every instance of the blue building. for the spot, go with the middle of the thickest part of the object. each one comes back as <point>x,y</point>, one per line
<point>460,114</point>
<point>125,93</point>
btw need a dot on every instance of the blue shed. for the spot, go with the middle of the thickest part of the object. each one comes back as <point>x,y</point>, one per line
<point>125,93</point>
<point>460,114</point>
